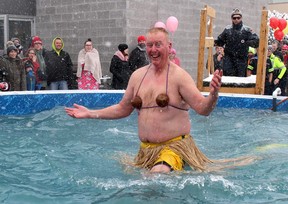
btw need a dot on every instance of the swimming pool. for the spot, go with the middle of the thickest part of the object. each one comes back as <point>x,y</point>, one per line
<point>48,157</point>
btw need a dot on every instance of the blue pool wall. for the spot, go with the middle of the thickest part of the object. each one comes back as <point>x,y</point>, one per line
<point>23,103</point>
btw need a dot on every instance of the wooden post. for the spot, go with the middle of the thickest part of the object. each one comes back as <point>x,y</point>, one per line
<point>211,15</point>
<point>205,42</point>
<point>203,19</point>
<point>262,53</point>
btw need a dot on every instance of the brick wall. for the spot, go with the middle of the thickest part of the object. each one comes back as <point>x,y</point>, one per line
<point>110,22</point>
<point>18,7</point>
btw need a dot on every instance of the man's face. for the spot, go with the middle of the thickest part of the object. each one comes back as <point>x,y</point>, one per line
<point>274,46</point>
<point>269,52</point>
<point>38,46</point>
<point>158,47</point>
<point>142,43</point>
<point>58,44</point>
<point>236,19</point>
<point>16,42</point>
<point>219,50</point>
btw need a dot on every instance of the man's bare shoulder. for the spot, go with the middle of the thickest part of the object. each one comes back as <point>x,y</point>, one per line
<point>139,72</point>
<point>178,72</point>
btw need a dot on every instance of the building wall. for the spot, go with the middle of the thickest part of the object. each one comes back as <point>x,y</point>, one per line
<point>111,22</point>
<point>280,7</point>
<point>18,7</point>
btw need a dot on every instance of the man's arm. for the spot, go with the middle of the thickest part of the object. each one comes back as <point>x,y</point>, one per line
<point>120,110</point>
<point>253,40</point>
<point>191,95</point>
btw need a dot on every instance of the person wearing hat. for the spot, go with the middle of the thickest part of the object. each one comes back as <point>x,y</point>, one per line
<point>37,44</point>
<point>138,57</point>
<point>279,72</point>
<point>252,70</point>
<point>236,39</point>
<point>18,45</point>
<point>13,67</point>
<point>119,67</point>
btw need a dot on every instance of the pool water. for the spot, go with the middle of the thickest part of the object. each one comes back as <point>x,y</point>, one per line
<point>49,157</point>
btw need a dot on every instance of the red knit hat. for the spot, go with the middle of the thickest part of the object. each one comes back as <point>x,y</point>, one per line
<point>141,38</point>
<point>36,39</point>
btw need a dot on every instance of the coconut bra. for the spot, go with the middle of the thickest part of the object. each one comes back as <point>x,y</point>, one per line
<point>162,100</point>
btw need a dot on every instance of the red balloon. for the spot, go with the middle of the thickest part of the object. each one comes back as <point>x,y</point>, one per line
<point>279,35</point>
<point>274,22</point>
<point>282,24</point>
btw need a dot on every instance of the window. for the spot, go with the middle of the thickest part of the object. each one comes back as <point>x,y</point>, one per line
<point>22,30</point>
<point>12,26</point>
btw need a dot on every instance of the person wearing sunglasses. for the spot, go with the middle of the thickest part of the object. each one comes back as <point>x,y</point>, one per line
<point>236,40</point>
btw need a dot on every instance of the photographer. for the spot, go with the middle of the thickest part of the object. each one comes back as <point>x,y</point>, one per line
<point>19,47</point>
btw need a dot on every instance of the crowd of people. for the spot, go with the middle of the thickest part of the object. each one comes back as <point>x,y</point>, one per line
<point>39,69</point>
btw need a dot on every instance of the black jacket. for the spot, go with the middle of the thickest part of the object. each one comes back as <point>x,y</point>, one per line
<point>121,73</point>
<point>58,67</point>
<point>236,39</point>
<point>14,73</point>
<point>138,58</point>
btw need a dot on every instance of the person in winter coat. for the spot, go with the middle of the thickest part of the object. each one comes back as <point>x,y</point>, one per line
<point>15,73</point>
<point>138,57</point>
<point>59,66</point>
<point>32,66</point>
<point>37,44</point>
<point>89,69</point>
<point>119,67</point>
<point>236,39</point>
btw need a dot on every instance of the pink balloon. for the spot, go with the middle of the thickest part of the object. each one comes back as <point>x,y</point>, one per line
<point>160,24</point>
<point>172,24</point>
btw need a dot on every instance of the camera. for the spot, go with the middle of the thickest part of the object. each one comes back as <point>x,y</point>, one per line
<point>3,74</point>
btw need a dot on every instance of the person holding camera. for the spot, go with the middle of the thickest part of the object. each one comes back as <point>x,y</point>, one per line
<point>17,44</point>
<point>14,70</point>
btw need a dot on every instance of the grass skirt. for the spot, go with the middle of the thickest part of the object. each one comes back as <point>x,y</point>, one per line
<point>186,148</point>
<point>190,154</point>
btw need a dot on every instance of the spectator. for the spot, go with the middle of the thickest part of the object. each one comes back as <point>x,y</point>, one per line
<point>36,43</point>
<point>31,66</point>
<point>8,44</point>
<point>217,59</point>
<point>89,69</point>
<point>138,57</point>
<point>277,49</point>
<point>279,73</point>
<point>119,67</point>
<point>18,45</point>
<point>285,55</point>
<point>173,58</point>
<point>252,62</point>
<point>59,66</point>
<point>252,69</point>
<point>236,38</point>
<point>13,65</point>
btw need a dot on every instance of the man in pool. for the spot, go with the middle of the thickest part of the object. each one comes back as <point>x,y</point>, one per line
<point>162,94</point>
